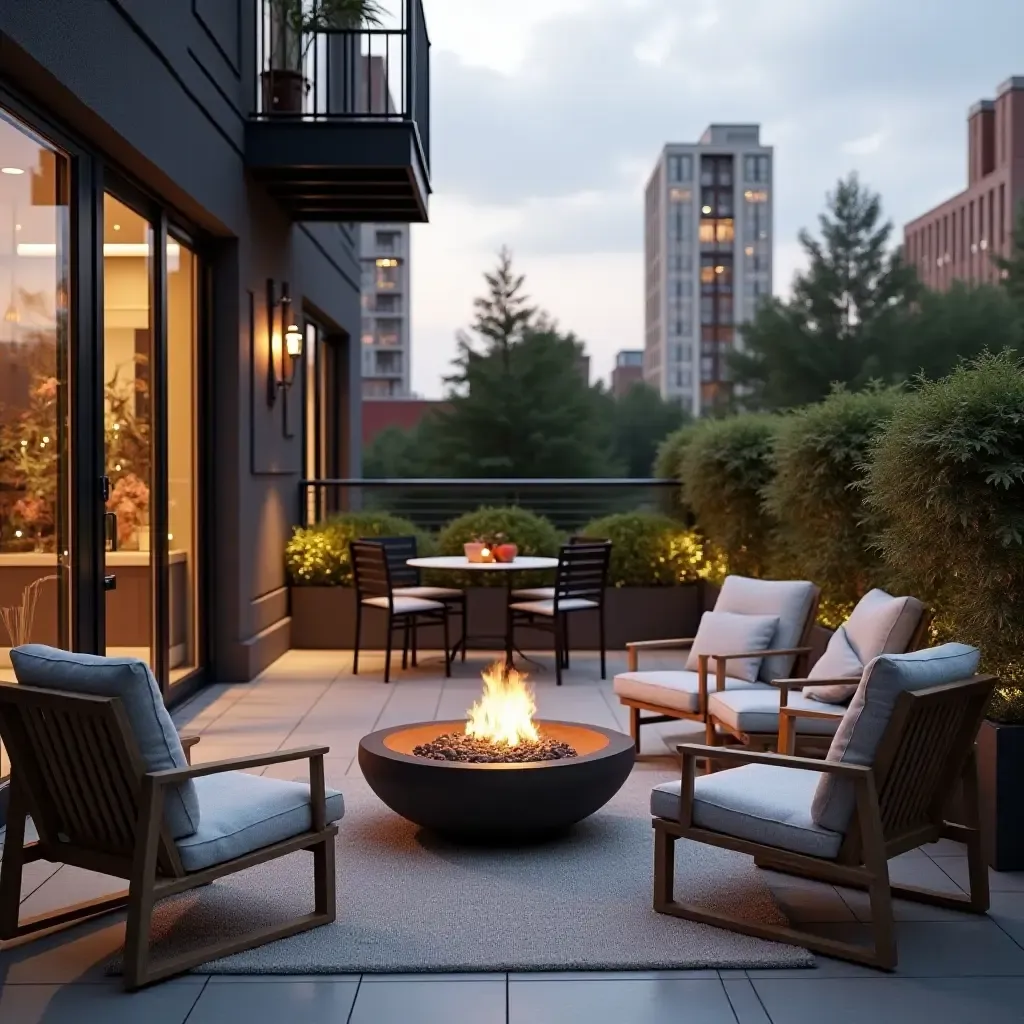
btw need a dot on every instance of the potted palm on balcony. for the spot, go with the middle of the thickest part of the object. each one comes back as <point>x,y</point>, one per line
<point>294,25</point>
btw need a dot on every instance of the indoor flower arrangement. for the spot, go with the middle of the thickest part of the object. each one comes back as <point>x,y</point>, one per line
<point>129,501</point>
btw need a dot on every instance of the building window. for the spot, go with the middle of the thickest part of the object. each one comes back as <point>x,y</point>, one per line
<point>680,195</point>
<point>758,195</point>
<point>387,242</point>
<point>387,275</point>
<point>680,168</point>
<point>724,230</point>
<point>756,168</point>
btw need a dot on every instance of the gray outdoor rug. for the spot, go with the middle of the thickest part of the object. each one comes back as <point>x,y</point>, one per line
<point>408,902</point>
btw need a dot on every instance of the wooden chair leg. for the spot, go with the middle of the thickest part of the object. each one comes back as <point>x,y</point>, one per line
<point>559,650</point>
<point>405,646</point>
<point>359,622</point>
<point>140,893</point>
<point>711,739</point>
<point>415,645</point>
<point>387,649</point>
<point>664,868</point>
<point>464,621</point>
<point>634,727</point>
<point>13,862</point>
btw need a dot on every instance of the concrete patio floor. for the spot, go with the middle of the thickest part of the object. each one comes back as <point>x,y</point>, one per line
<point>954,969</point>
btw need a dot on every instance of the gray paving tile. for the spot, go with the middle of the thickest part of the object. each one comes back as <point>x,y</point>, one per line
<point>69,885</point>
<point>98,1004</point>
<point>745,1002</point>
<point>974,947</point>
<point>430,1002</point>
<point>663,1001</point>
<point>998,881</point>
<point>76,954</point>
<point>1007,910</point>
<point>818,905</point>
<point>372,979</point>
<point>255,1002</point>
<point>893,1000</point>
<point>903,910</point>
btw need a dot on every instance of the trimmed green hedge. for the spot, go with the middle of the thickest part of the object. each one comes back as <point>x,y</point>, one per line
<point>532,534</point>
<point>668,465</point>
<point>823,531</point>
<point>948,479</point>
<point>651,550</point>
<point>725,468</point>
<point>317,556</point>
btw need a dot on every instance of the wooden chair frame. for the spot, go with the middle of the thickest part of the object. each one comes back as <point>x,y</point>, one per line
<point>716,730</point>
<point>801,652</point>
<point>927,748</point>
<point>77,772</point>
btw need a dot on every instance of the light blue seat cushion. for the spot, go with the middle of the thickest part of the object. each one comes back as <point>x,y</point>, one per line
<point>130,680</point>
<point>242,813</point>
<point>759,802</point>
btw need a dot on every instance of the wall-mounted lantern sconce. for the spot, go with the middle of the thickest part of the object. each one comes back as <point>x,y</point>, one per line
<point>284,348</point>
<point>284,341</point>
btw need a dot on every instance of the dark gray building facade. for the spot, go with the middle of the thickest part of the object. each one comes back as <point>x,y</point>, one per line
<point>179,280</point>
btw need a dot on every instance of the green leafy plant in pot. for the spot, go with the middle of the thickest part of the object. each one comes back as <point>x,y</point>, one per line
<point>294,25</point>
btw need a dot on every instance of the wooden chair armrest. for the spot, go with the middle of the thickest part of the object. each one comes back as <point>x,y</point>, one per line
<point>799,684</point>
<point>807,713</point>
<point>234,764</point>
<point>188,741</point>
<point>691,751</point>
<point>634,647</point>
<point>761,654</point>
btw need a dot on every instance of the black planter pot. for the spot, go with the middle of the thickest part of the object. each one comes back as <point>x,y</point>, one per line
<point>283,91</point>
<point>1001,784</point>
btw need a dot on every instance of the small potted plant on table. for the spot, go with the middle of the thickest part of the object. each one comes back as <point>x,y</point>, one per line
<point>293,27</point>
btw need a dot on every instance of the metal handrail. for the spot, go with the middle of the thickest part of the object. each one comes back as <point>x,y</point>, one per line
<point>626,481</point>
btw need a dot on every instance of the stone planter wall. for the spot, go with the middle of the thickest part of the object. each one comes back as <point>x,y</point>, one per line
<point>1000,775</point>
<point>324,618</point>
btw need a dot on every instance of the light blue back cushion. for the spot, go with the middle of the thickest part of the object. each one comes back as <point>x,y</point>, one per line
<point>131,681</point>
<point>859,734</point>
<point>788,600</point>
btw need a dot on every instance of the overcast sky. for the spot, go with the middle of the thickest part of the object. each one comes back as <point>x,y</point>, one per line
<point>548,116</point>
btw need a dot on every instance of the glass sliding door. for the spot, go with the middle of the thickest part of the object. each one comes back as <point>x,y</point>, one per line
<point>35,556</point>
<point>182,462</point>
<point>128,426</point>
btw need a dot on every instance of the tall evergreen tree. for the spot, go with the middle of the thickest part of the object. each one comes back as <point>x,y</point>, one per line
<point>518,403</point>
<point>842,314</point>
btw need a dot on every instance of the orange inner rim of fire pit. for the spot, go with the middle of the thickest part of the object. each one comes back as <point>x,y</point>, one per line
<point>583,740</point>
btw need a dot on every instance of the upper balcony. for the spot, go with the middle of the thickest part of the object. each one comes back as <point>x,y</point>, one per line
<point>340,129</point>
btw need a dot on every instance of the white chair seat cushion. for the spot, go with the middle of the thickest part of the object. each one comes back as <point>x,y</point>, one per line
<point>758,802</point>
<point>130,680</point>
<point>242,813</point>
<point>757,711</point>
<point>535,594</point>
<point>676,689</point>
<point>868,716</point>
<point>572,604</point>
<point>429,593</point>
<point>405,605</point>
<point>880,624</point>
<point>790,600</point>
<point>729,633</point>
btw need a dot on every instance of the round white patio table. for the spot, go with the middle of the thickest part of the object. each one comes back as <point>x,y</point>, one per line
<point>460,563</point>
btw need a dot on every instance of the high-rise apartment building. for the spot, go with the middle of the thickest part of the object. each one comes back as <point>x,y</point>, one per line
<point>956,240</point>
<point>385,297</point>
<point>708,256</point>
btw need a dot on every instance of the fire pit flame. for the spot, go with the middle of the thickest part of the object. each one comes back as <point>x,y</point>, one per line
<point>504,714</point>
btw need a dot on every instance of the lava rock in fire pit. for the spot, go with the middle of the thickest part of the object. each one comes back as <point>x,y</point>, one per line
<point>455,746</point>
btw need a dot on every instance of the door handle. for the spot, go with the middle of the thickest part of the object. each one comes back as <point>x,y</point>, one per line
<point>110,582</point>
<point>110,530</point>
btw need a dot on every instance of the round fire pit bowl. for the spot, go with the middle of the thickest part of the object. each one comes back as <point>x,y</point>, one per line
<point>496,802</point>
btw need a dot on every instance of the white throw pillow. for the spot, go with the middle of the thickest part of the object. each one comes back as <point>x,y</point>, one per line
<point>729,633</point>
<point>790,600</point>
<point>880,624</point>
<point>859,734</point>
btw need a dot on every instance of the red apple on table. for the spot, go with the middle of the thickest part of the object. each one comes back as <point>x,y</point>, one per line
<point>506,552</point>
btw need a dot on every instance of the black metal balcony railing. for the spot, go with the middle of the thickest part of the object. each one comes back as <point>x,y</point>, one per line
<point>569,504</point>
<point>337,74</point>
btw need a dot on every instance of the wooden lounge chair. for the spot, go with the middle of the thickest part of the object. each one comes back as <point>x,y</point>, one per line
<point>905,742</point>
<point>714,663</point>
<point>879,624</point>
<point>97,765</point>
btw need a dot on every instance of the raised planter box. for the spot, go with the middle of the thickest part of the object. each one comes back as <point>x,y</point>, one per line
<point>1000,772</point>
<point>323,618</point>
